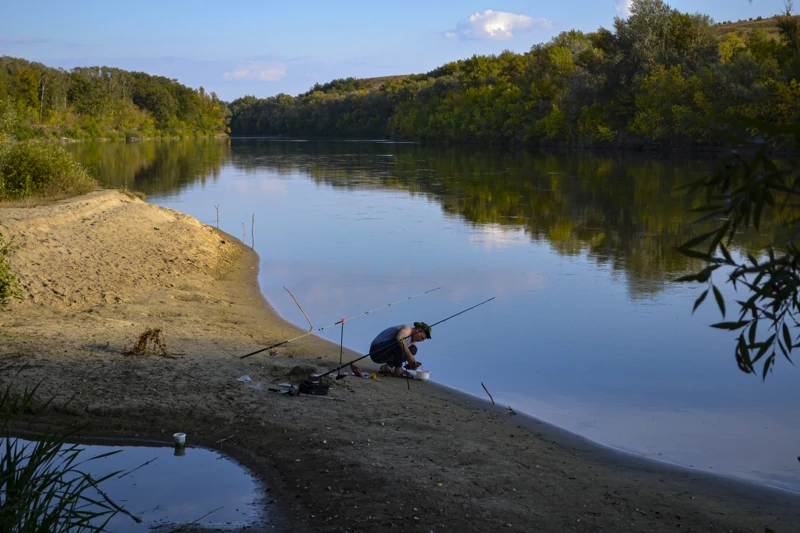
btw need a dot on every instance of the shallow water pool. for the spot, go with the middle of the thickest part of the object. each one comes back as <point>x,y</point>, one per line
<point>168,487</point>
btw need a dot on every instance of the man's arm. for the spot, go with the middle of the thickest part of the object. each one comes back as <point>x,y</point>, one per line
<point>402,333</point>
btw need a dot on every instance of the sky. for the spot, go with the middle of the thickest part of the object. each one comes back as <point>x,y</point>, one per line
<point>263,48</point>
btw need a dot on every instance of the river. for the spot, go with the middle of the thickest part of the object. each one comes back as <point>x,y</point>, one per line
<point>587,330</point>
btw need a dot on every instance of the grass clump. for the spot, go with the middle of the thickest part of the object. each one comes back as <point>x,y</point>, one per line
<point>149,342</point>
<point>42,484</point>
<point>8,282</point>
<point>40,170</point>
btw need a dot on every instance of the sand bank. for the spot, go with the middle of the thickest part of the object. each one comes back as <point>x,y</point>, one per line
<point>98,270</point>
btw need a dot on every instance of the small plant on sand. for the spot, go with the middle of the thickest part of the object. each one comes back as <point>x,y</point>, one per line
<point>148,342</point>
<point>40,170</point>
<point>8,282</point>
<point>42,484</point>
<point>133,194</point>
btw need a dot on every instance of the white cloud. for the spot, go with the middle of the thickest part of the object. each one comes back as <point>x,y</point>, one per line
<point>257,70</point>
<point>450,34</point>
<point>496,25</point>
<point>624,8</point>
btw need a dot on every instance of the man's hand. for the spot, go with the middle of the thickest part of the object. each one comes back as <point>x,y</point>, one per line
<point>413,366</point>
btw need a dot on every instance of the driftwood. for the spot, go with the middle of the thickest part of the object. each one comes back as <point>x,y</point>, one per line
<point>487,392</point>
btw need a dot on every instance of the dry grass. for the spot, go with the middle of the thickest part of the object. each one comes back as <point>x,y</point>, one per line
<point>149,342</point>
<point>743,28</point>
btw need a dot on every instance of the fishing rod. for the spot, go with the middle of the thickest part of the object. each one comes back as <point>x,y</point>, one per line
<point>342,321</point>
<point>317,377</point>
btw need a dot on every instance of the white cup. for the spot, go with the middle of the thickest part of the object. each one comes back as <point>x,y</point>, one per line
<point>180,439</point>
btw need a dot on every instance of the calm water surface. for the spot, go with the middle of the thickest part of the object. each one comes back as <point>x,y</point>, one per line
<point>587,331</point>
<point>168,488</point>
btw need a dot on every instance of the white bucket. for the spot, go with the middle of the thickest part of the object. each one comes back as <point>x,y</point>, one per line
<point>422,375</point>
<point>180,439</point>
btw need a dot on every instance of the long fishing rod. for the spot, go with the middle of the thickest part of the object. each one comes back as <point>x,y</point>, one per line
<point>317,377</point>
<point>342,321</point>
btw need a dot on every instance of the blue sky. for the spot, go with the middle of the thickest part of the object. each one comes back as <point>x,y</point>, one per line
<point>265,48</point>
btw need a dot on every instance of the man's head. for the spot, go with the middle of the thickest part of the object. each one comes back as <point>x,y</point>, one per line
<point>423,328</point>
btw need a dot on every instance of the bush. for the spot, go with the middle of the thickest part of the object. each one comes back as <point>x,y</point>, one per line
<point>40,170</point>
<point>8,282</point>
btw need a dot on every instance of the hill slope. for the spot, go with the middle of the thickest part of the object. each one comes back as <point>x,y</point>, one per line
<point>743,28</point>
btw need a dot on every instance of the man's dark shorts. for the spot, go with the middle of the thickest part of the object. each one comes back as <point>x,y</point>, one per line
<point>389,352</point>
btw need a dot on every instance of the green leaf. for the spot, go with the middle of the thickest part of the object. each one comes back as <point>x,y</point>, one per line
<point>732,326</point>
<point>720,300</point>
<point>697,240</point>
<point>705,256</point>
<point>787,337</point>
<point>726,253</point>
<point>768,362</point>
<point>752,331</point>
<point>699,300</point>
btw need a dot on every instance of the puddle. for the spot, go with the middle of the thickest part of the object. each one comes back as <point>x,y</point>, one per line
<point>175,488</point>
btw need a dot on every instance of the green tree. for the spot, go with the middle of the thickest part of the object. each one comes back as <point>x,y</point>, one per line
<point>789,28</point>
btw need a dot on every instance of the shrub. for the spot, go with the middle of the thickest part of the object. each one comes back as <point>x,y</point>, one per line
<point>40,170</point>
<point>8,282</point>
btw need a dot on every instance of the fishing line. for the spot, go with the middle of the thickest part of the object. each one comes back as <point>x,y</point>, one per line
<point>342,321</point>
<point>317,377</point>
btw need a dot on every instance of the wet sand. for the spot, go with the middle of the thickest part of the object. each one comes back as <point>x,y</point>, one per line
<point>376,455</point>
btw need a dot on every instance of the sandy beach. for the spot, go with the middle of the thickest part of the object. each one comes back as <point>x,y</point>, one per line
<point>379,455</point>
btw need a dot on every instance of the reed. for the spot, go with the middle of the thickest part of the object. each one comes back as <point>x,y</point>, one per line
<point>43,485</point>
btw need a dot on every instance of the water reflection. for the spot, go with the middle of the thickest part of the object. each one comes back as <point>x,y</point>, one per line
<point>153,167</point>
<point>577,248</point>
<point>626,211</point>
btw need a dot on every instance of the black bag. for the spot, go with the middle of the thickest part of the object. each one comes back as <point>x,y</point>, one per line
<point>316,388</point>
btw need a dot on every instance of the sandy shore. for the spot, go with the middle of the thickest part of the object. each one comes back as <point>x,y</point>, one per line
<point>98,270</point>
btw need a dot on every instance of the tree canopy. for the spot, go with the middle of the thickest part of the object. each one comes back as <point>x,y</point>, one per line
<point>657,77</point>
<point>91,102</point>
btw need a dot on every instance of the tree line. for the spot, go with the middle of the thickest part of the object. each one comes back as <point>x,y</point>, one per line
<point>659,77</point>
<point>37,101</point>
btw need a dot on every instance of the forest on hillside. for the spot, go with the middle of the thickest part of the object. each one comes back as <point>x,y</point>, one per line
<point>660,77</point>
<point>37,101</point>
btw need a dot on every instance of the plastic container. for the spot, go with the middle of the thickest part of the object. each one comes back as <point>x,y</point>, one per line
<point>422,375</point>
<point>180,439</point>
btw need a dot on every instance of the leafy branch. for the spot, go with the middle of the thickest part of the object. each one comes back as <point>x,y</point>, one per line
<point>737,197</point>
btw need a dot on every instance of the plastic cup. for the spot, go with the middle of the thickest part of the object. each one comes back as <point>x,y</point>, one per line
<point>180,439</point>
